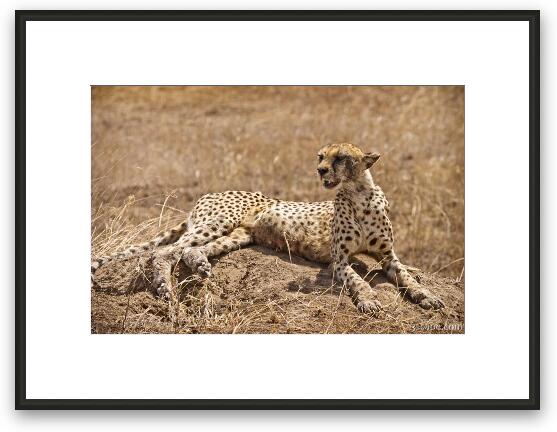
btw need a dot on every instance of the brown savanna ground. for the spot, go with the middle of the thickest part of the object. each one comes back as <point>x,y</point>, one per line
<point>156,150</point>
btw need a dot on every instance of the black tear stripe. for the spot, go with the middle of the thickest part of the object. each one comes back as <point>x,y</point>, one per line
<point>348,164</point>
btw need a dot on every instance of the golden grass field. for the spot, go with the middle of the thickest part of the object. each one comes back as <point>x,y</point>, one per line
<point>156,150</point>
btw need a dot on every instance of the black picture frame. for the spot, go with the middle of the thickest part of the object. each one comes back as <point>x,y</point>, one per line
<point>531,16</point>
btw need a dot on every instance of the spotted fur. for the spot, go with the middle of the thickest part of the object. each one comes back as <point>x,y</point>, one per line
<point>327,232</point>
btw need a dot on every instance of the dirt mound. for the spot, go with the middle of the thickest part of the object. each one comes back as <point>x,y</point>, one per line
<point>255,290</point>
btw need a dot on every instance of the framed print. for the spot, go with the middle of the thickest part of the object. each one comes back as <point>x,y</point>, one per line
<point>274,209</point>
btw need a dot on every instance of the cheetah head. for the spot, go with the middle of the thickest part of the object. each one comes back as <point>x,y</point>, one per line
<point>342,162</point>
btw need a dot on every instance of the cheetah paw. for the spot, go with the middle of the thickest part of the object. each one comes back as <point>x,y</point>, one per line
<point>164,291</point>
<point>197,262</point>
<point>369,306</point>
<point>424,298</point>
<point>204,269</point>
<point>431,302</point>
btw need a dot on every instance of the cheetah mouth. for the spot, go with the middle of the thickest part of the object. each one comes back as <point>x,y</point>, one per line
<point>330,184</point>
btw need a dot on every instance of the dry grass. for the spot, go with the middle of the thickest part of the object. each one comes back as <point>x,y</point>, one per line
<point>155,150</point>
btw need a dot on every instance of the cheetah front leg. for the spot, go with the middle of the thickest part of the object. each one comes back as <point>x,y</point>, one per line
<point>345,242</point>
<point>400,277</point>
<point>363,296</point>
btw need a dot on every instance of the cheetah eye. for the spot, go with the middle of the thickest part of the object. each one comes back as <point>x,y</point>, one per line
<point>320,157</point>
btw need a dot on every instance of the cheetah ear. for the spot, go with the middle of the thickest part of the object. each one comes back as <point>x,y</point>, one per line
<point>370,159</point>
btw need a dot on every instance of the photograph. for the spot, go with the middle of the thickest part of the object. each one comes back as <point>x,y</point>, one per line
<point>277,209</point>
<point>231,203</point>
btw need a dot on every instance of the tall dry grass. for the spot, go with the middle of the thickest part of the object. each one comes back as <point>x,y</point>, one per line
<point>155,150</point>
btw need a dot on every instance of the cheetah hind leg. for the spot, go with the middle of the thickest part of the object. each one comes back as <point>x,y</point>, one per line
<point>162,266</point>
<point>164,263</point>
<point>399,276</point>
<point>165,259</point>
<point>197,258</point>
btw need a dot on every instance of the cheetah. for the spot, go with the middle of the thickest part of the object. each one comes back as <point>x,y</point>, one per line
<point>328,232</point>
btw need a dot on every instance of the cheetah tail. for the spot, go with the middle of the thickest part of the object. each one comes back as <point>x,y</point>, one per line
<point>164,238</point>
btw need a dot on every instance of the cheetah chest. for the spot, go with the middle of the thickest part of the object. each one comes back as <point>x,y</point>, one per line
<point>375,224</point>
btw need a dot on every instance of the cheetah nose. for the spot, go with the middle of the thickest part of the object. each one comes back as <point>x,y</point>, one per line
<point>322,171</point>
